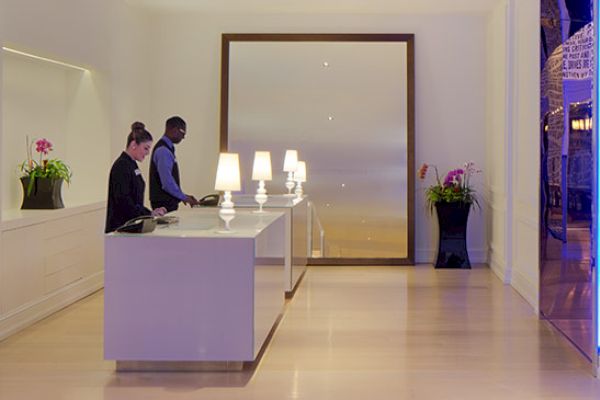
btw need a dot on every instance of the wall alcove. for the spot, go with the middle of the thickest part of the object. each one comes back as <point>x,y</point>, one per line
<point>44,98</point>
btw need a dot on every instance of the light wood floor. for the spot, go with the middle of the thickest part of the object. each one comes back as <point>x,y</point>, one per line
<point>349,333</point>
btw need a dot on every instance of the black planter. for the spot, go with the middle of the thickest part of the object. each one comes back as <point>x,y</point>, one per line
<point>45,194</point>
<point>452,250</point>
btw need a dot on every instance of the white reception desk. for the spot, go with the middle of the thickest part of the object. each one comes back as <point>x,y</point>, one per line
<point>296,232</point>
<point>187,292</point>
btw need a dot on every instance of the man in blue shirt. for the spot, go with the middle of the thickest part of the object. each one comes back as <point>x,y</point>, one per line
<point>165,186</point>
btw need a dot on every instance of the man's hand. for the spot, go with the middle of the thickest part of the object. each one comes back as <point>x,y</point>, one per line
<point>190,200</point>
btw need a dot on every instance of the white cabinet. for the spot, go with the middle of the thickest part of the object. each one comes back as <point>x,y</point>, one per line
<point>49,260</point>
<point>296,233</point>
<point>63,243</point>
<point>22,268</point>
<point>195,293</point>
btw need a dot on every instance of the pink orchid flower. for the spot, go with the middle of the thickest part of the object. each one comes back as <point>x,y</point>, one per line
<point>43,146</point>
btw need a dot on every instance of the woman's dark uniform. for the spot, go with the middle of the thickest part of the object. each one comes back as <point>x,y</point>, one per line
<point>125,193</point>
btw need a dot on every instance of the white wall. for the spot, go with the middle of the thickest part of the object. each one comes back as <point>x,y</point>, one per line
<point>108,38</point>
<point>498,143</point>
<point>512,149</point>
<point>63,105</point>
<point>525,148</point>
<point>132,59</point>
<point>54,102</point>
<point>75,31</point>
<point>34,95</point>
<point>450,92</point>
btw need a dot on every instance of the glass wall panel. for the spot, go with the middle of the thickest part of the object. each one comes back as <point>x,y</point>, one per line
<point>567,169</point>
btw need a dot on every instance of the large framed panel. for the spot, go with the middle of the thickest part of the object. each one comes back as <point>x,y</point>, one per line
<point>346,103</point>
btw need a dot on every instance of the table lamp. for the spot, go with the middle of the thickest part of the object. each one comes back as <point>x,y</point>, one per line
<point>290,164</point>
<point>299,177</point>
<point>261,172</point>
<point>228,179</point>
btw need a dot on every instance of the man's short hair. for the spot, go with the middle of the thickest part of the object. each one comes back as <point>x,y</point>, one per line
<point>175,122</point>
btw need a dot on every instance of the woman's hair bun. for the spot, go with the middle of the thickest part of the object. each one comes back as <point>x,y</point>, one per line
<point>138,133</point>
<point>137,126</point>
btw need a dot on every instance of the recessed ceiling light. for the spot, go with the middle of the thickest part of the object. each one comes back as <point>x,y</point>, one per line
<point>330,118</point>
<point>325,64</point>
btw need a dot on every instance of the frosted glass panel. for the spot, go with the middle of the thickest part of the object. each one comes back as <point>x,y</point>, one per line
<point>344,107</point>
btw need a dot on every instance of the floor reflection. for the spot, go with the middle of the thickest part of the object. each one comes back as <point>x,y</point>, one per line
<point>566,281</point>
<point>348,333</point>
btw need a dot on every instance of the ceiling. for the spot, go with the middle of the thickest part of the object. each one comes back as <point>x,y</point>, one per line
<point>320,6</point>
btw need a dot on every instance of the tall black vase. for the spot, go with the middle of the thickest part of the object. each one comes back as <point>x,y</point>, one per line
<point>452,250</point>
<point>45,194</point>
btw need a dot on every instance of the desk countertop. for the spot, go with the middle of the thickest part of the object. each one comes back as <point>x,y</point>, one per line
<point>205,223</point>
<point>273,201</point>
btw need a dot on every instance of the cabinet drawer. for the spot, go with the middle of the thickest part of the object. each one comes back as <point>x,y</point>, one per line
<point>21,267</point>
<point>59,261</point>
<point>63,277</point>
<point>62,226</point>
<point>64,242</point>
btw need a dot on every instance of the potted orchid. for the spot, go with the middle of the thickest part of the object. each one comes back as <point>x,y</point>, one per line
<point>452,198</point>
<point>456,186</point>
<point>42,177</point>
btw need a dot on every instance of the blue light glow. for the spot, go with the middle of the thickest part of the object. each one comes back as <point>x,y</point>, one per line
<point>595,132</point>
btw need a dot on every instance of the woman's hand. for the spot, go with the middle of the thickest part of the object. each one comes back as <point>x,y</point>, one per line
<point>159,212</point>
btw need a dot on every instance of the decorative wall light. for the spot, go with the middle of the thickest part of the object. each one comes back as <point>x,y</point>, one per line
<point>595,171</point>
<point>261,172</point>
<point>290,164</point>
<point>228,180</point>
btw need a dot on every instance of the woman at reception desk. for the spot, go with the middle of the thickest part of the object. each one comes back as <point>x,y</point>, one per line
<point>193,294</point>
<point>126,185</point>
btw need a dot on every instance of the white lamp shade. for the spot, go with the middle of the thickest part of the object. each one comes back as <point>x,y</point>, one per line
<point>290,162</point>
<point>300,174</point>
<point>228,172</point>
<point>261,170</point>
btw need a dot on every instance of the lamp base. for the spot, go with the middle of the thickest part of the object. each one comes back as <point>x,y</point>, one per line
<point>227,212</point>
<point>227,204</point>
<point>261,197</point>
<point>289,184</point>
<point>227,217</point>
<point>299,191</point>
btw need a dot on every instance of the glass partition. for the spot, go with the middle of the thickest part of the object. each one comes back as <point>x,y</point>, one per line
<point>567,171</point>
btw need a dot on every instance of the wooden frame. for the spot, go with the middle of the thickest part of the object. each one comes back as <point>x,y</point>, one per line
<point>227,38</point>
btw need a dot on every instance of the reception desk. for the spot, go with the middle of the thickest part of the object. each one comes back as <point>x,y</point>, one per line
<point>296,233</point>
<point>189,292</point>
